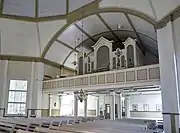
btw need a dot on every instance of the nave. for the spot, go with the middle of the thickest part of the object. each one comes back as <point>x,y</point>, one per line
<point>68,125</point>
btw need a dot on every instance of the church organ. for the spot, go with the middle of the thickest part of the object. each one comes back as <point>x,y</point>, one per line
<point>104,58</point>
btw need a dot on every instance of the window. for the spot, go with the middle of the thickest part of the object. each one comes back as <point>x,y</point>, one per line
<point>67,102</point>
<point>17,97</point>
<point>146,107</point>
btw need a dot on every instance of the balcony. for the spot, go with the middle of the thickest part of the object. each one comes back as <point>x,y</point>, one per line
<point>138,76</point>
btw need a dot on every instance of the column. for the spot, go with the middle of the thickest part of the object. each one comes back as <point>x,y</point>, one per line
<point>49,103</point>
<point>119,102</point>
<point>30,90</point>
<point>113,97</point>
<point>98,107</point>
<point>127,106</point>
<point>4,89</point>
<point>60,98</point>
<point>85,109</point>
<point>75,108</point>
<point>36,81</point>
<point>169,53</point>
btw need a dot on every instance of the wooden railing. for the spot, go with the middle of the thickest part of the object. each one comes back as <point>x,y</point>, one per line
<point>145,75</point>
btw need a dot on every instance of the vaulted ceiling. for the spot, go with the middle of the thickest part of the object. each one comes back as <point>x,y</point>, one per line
<point>57,29</point>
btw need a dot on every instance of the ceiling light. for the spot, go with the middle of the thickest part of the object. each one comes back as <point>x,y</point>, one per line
<point>119,26</point>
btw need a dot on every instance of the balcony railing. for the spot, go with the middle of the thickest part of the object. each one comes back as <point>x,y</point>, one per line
<point>145,75</point>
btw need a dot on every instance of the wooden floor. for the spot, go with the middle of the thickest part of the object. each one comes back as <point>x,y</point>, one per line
<point>107,126</point>
<point>49,125</point>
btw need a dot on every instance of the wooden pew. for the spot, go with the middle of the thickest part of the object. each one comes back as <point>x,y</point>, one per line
<point>7,127</point>
<point>21,131</point>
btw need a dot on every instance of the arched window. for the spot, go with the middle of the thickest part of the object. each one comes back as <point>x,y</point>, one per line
<point>80,66</point>
<point>114,62</point>
<point>92,66</point>
<point>103,59</point>
<point>130,56</point>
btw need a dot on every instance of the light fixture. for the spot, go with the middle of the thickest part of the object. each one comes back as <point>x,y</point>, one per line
<point>82,96</point>
<point>119,26</point>
<point>57,76</point>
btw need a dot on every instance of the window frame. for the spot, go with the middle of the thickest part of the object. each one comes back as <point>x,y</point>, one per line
<point>15,103</point>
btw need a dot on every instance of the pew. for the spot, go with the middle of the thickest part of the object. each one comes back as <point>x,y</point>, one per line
<point>6,127</point>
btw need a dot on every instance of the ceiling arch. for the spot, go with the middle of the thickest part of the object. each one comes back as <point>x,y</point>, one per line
<point>92,12</point>
<point>63,15</point>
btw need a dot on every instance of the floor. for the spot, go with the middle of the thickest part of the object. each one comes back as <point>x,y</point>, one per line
<point>107,126</point>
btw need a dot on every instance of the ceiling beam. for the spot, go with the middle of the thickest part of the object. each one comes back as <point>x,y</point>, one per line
<point>54,38</point>
<point>82,30</point>
<point>67,57</point>
<point>141,46</point>
<point>152,50</point>
<point>1,6</point>
<point>153,9</point>
<point>33,59</point>
<point>36,8</point>
<point>67,6</point>
<point>66,45</point>
<point>108,27</point>
<point>171,16</point>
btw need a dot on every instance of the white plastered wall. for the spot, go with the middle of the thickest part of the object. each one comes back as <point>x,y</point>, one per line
<point>151,100</point>
<point>30,71</point>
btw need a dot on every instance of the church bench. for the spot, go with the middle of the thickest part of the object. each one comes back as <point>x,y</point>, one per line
<point>45,130</point>
<point>21,131</point>
<point>7,127</point>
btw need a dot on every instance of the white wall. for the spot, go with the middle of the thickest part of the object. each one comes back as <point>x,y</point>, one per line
<point>45,99</point>
<point>55,99</point>
<point>106,99</point>
<point>151,100</point>
<point>16,70</point>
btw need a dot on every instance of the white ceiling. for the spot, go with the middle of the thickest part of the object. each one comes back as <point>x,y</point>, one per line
<point>57,52</point>
<point>115,19</point>
<point>19,38</point>
<point>47,30</point>
<point>156,9</point>
<point>92,25</point>
<point>19,7</point>
<point>30,39</point>
<point>52,7</point>
<point>72,36</point>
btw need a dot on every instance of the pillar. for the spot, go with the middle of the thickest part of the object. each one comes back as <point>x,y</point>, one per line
<point>85,109</point>
<point>119,102</point>
<point>36,81</point>
<point>169,53</point>
<point>113,97</point>
<point>4,88</point>
<point>127,106</point>
<point>49,104</point>
<point>98,107</point>
<point>75,108</point>
<point>60,98</point>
